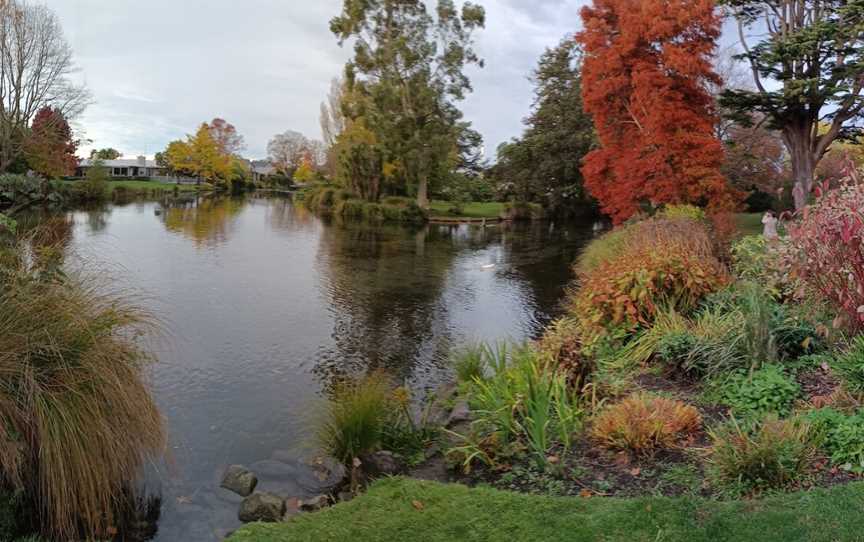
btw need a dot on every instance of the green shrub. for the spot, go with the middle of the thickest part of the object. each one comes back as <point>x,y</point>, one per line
<point>675,348</point>
<point>768,454</point>
<point>520,210</point>
<point>850,365</point>
<point>841,435</point>
<point>524,399</point>
<point>768,390</point>
<point>683,211</point>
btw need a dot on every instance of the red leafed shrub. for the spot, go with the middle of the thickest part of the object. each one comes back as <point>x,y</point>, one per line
<point>663,264</point>
<point>828,243</point>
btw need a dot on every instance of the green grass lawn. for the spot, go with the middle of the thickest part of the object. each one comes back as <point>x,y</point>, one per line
<point>749,223</point>
<point>150,185</point>
<point>476,209</point>
<point>398,510</point>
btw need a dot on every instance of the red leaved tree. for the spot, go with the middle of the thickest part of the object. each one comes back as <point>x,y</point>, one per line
<point>645,75</point>
<point>49,147</point>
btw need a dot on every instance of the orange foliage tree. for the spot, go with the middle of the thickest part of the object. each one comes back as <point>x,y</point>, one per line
<point>645,75</point>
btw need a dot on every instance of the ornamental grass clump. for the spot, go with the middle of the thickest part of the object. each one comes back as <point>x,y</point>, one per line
<point>768,454</point>
<point>644,424</point>
<point>354,418</point>
<point>77,419</point>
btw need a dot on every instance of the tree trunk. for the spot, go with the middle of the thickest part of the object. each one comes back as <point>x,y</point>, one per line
<point>803,164</point>
<point>423,192</point>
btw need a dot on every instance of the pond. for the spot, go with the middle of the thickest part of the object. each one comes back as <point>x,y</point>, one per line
<point>265,304</point>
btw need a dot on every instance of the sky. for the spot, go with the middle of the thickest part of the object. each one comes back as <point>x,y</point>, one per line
<point>157,69</point>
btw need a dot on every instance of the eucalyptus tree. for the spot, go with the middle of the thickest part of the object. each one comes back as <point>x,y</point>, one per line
<point>403,82</point>
<point>808,70</point>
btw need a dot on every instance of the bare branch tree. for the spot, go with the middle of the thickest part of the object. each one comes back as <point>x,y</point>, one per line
<point>35,68</point>
<point>286,151</point>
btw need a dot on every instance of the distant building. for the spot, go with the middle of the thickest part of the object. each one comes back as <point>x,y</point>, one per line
<point>261,170</point>
<point>139,167</point>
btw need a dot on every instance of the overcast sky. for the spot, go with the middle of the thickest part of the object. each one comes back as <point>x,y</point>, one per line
<point>158,69</point>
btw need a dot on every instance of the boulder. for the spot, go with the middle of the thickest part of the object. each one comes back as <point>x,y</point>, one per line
<point>382,463</point>
<point>329,473</point>
<point>461,413</point>
<point>265,507</point>
<point>240,480</point>
<point>315,503</point>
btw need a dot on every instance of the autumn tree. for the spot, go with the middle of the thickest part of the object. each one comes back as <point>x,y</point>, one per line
<point>49,147</point>
<point>201,156</point>
<point>226,136</point>
<point>544,165</point>
<point>645,75</point>
<point>287,151</point>
<point>807,63</point>
<point>35,69</point>
<point>105,154</point>
<point>405,77</point>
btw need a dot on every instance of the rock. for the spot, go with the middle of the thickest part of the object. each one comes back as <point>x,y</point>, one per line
<point>330,473</point>
<point>345,496</point>
<point>315,503</point>
<point>262,507</point>
<point>292,509</point>
<point>460,413</point>
<point>382,463</point>
<point>240,480</point>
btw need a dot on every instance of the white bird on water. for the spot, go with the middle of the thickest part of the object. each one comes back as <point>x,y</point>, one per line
<point>488,266</point>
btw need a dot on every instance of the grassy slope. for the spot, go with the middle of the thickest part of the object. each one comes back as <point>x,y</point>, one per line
<point>452,512</point>
<point>470,210</point>
<point>749,223</point>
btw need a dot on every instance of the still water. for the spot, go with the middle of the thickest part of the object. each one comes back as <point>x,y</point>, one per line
<point>265,304</point>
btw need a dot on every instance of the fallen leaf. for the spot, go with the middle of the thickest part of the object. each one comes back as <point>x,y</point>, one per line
<point>585,493</point>
<point>417,505</point>
<point>182,499</point>
<point>553,459</point>
<point>635,472</point>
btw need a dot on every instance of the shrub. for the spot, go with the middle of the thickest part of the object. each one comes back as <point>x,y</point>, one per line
<point>850,365</point>
<point>525,399</point>
<point>674,349</point>
<point>644,423</point>
<point>95,183</point>
<point>661,264</point>
<point>79,421</point>
<point>561,345</point>
<point>770,454</point>
<point>518,210</point>
<point>841,435</point>
<point>683,211</point>
<point>829,257</point>
<point>768,390</point>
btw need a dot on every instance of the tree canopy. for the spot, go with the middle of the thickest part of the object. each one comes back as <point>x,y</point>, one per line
<point>401,86</point>
<point>544,165</point>
<point>49,147</point>
<point>645,76</point>
<point>808,69</point>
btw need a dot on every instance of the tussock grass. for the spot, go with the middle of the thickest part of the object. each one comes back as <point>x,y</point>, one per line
<point>77,420</point>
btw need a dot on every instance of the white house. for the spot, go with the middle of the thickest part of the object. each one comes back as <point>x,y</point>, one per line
<point>138,167</point>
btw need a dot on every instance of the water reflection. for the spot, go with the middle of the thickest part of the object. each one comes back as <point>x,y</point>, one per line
<point>267,304</point>
<point>208,221</point>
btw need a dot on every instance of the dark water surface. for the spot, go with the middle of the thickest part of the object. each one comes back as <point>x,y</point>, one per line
<point>265,304</point>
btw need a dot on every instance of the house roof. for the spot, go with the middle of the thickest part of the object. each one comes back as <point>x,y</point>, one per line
<point>123,162</point>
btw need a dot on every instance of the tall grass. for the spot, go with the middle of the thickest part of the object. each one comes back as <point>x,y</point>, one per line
<point>78,419</point>
<point>354,418</point>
